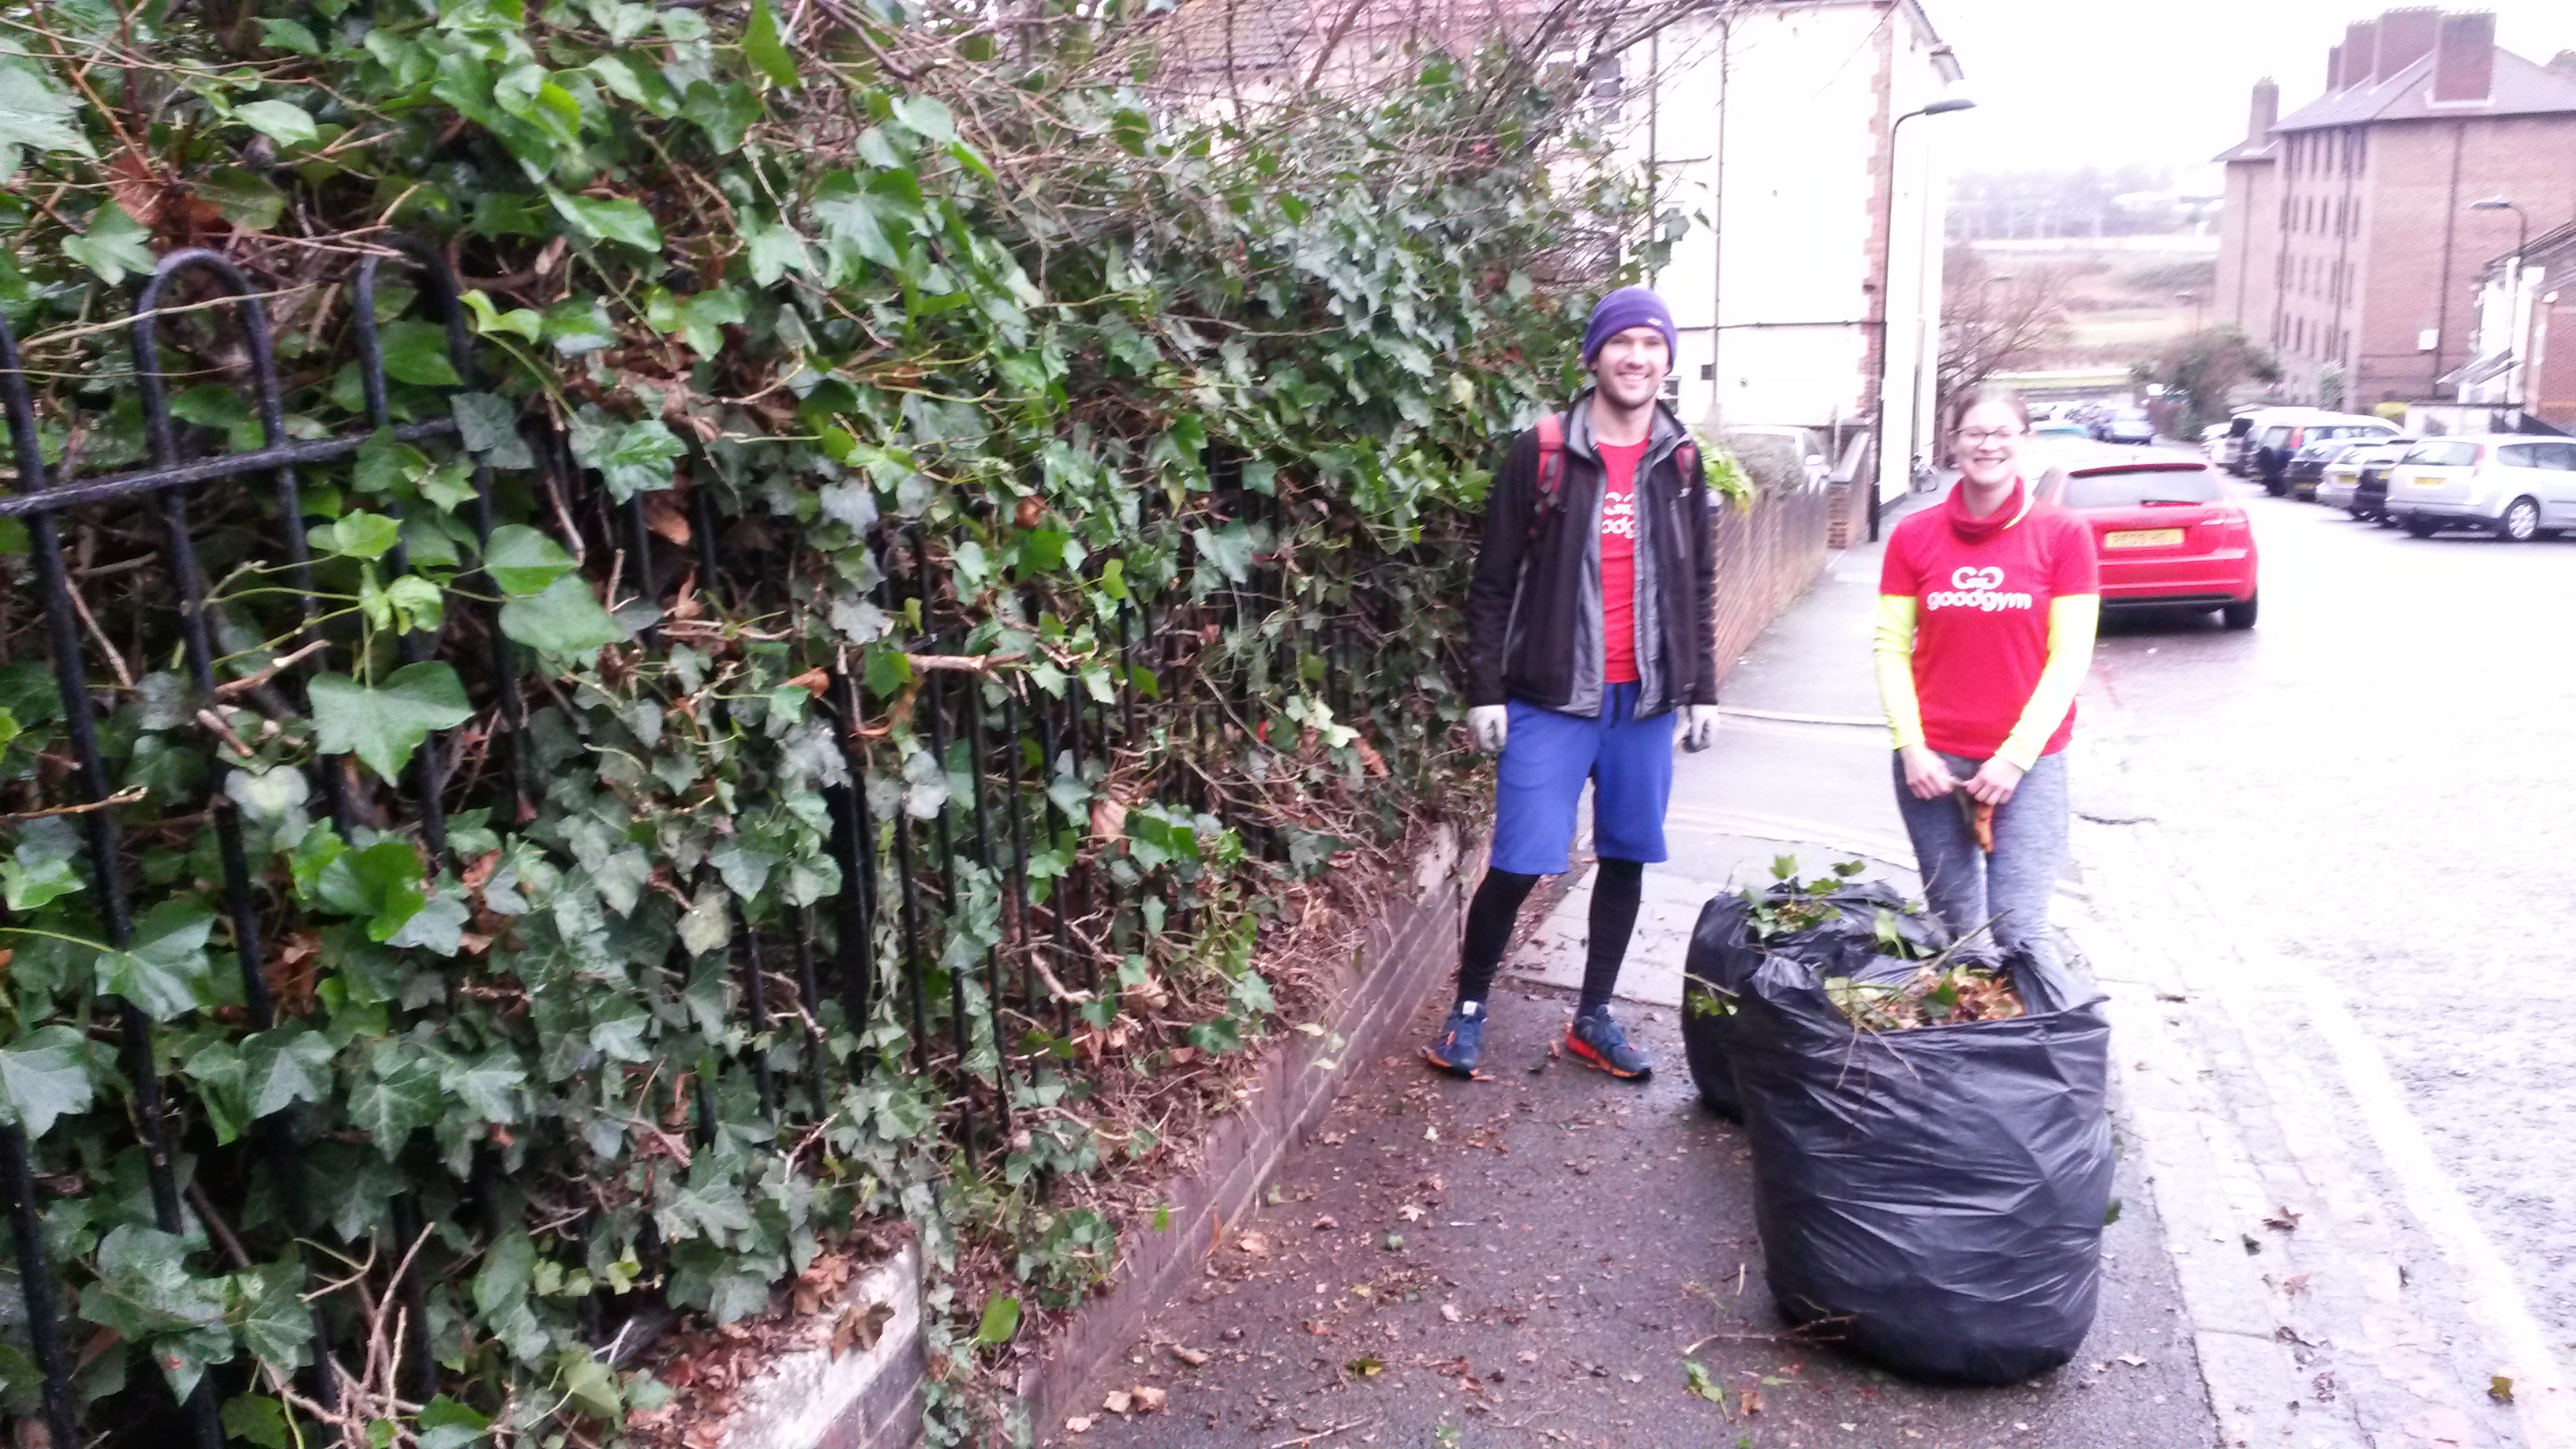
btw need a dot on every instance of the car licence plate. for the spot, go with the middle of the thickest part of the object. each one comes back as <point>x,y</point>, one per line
<point>2142,538</point>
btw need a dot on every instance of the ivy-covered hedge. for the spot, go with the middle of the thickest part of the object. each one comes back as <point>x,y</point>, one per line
<point>880,427</point>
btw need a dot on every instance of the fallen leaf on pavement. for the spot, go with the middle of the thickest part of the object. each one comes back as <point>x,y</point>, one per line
<point>1366,1367</point>
<point>1119,1401</point>
<point>1695,1379</point>
<point>1449,1311</point>
<point>1148,1400</point>
<point>2132,1360</point>
<point>1254,1245</point>
<point>1411,1212</point>
<point>2500,1388</point>
<point>1528,1355</point>
<point>1191,1356</point>
<point>1326,1223</point>
<point>1751,1399</point>
<point>2284,1220</point>
<point>1078,1424</point>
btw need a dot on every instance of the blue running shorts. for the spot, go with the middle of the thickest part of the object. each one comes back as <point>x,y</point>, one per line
<point>1546,758</point>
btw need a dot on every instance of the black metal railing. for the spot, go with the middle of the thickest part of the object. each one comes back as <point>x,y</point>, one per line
<point>1176,703</point>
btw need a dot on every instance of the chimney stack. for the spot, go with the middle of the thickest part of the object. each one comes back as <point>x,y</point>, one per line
<point>2405,37</point>
<point>2360,53</point>
<point>2464,58</point>
<point>2334,69</point>
<point>2267,111</point>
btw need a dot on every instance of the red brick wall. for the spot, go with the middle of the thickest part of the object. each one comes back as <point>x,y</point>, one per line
<point>1766,556</point>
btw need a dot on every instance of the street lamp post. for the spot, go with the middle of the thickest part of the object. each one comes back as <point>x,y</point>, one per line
<point>2513,282</point>
<point>1887,276</point>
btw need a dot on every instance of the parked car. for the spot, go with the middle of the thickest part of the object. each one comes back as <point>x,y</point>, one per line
<point>2308,465</point>
<point>2277,433</point>
<point>2167,533</point>
<point>2124,425</point>
<point>2357,480</point>
<point>2059,428</point>
<point>2513,485</point>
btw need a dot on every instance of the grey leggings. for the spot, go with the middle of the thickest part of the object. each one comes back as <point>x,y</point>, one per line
<point>1963,885</point>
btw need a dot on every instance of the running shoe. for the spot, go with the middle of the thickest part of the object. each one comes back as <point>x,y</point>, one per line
<point>1596,1041</point>
<point>1461,1043</point>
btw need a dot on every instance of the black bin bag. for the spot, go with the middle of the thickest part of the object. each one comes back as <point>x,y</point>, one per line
<point>1930,1199</point>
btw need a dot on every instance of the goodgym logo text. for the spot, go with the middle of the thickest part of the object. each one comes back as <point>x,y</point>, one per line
<point>1975,588</point>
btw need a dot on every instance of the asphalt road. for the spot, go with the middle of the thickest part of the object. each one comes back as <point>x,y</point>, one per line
<point>2373,795</point>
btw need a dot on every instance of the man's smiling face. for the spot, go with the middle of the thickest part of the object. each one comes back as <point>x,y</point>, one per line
<point>1630,367</point>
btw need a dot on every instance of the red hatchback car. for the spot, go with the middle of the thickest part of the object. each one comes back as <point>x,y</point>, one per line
<point>2167,533</point>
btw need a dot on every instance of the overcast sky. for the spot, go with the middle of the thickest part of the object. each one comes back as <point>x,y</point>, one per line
<point>2070,82</point>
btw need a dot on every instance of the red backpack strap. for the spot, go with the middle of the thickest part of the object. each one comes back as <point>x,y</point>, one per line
<point>1686,457</point>
<point>1551,468</point>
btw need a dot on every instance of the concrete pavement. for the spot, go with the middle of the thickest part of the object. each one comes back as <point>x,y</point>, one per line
<point>1554,1257</point>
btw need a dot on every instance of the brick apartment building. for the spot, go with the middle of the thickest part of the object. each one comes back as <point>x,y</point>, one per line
<point>2348,242</point>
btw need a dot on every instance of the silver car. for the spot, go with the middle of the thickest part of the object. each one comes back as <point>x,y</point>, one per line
<point>2513,485</point>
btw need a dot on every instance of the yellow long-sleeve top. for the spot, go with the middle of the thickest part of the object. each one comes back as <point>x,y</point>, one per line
<point>2072,621</point>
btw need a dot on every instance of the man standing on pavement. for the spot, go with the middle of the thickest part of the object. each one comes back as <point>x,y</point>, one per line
<point>1588,638</point>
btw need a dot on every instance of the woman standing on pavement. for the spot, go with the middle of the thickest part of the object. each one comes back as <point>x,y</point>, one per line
<point>1986,611</point>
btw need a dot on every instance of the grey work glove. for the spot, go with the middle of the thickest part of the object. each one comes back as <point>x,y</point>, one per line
<point>1698,726</point>
<point>1489,725</point>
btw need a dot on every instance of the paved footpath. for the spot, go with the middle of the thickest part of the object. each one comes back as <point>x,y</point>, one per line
<point>1552,1257</point>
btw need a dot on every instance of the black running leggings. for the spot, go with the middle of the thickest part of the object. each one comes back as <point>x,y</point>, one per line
<point>1616,886</point>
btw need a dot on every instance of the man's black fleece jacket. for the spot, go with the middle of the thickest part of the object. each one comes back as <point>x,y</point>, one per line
<point>1534,609</point>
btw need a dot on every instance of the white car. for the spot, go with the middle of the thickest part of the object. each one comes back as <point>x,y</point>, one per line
<point>2513,485</point>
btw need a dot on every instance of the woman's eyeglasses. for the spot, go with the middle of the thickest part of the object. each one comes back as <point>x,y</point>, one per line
<point>1974,436</point>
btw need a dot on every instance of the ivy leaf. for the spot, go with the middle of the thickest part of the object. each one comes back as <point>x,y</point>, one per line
<point>288,35</point>
<point>490,429</point>
<point>248,201</point>
<point>281,121</point>
<point>380,885</point>
<point>35,116</point>
<point>113,246</point>
<point>564,618</point>
<point>578,325</point>
<point>356,535</point>
<point>1230,551</point>
<point>283,1066</point>
<point>266,1309</point>
<point>708,923</point>
<point>925,786</point>
<point>383,726</point>
<point>165,971</point>
<point>1001,1320</point>
<point>619,220</point>
<point>762,47</point>
<point>486,1088</point>
<point>631,458</point>
<point>928,116</point>
<point>523,562</point>
<point>43,1076</point>
<point>447,1424</point>
<point>776,250</point>
<point>44,867</point>
<point>255,1419</point>
<point>397,1096</point>
<point>416,352</point>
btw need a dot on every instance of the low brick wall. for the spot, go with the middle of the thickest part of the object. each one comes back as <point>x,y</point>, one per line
<point>1766,556</point>
<point>1409,953</point>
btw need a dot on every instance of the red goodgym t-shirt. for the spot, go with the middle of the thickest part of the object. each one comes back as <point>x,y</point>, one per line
<point>1619,559</point>
<point>1982,589</point>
